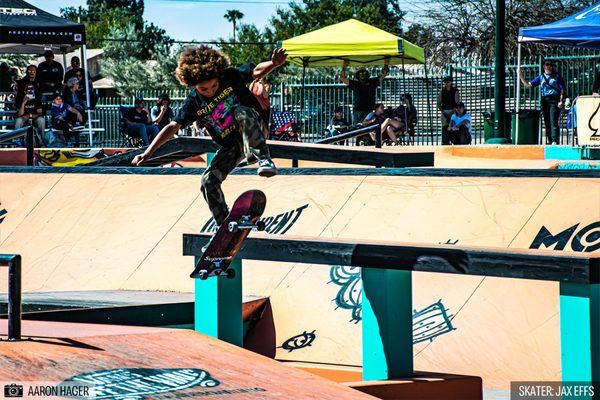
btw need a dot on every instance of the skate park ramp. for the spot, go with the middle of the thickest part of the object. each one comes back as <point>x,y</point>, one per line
<point>124,232</point>
<point>123,362</point>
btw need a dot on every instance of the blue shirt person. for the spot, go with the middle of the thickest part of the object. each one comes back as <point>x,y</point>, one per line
<point>552,88</point>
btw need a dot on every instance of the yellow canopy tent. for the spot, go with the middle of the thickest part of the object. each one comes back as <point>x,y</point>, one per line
<point>359,43</point>
<point>352,40</point>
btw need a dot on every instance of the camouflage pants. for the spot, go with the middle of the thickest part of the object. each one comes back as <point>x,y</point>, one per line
<point>250,145</point>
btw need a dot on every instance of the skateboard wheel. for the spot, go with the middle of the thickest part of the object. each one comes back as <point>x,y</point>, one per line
<point>261,226</point>
<point>203,274</point>
<point>233,226</point>
<point>230,273</point>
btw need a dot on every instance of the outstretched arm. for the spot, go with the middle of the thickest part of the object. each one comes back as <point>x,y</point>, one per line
<point>386,69</point>
<point>264,68</point>
<point>163,136</point>
<point>343,77</point>
<point>523,81</point>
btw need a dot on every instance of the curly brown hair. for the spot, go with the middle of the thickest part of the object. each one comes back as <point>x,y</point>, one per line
<point>199,64</point>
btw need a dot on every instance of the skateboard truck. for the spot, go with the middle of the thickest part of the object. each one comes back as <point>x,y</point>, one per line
<point>244,223</point>
<point>217,271</point>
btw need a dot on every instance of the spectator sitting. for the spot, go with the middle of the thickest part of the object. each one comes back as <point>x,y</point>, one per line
<point>6,78</point>
<point>29,111</point>
<point>162,114</point>
<point>139,123</point>
<point>27,85</point>
<point>406,113</point>
<point>72,96</point>
<point>338,123</point>
<point>375,117</point>
<point>50,74</point>
<point>398,121</point>
<point>459,130</point>
<point>65,118</point>
<point>447,100</point>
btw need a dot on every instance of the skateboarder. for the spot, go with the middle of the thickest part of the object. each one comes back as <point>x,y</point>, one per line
<point>222,103</point>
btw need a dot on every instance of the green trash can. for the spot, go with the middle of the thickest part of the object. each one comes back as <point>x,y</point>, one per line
<point>529,126</point>
<point>488,124</point>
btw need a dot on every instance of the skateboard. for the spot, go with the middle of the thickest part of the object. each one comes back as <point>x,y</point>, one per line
<point>228,240</point>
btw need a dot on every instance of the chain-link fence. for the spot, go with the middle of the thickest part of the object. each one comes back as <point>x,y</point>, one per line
<point>323,94</point>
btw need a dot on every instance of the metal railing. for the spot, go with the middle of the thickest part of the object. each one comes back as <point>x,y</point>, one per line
<point>13,262</point>
<point>322,94</point>
<point>26,131</point>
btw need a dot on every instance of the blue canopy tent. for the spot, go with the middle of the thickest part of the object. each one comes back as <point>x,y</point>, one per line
<point>578,30</point>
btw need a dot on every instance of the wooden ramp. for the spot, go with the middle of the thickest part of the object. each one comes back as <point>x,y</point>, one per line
<point>139,362</point>
<point>122,231</point>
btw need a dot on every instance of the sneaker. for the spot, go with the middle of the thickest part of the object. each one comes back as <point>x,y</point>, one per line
<point>214,233</point>
<point>266,168</point>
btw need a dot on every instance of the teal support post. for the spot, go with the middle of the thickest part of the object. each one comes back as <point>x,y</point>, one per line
<point>218,307</point>
<point>218,302</point>
<point>580,332</point>
<point>387,339</point>
<point>209,158</point>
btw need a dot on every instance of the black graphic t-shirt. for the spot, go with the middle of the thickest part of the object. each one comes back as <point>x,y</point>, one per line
<point>32,106</point>
<point>216,113</point>
<point>364,93</point>
<point>136,117</point>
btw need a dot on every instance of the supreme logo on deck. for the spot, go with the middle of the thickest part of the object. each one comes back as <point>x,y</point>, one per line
<point>134,383</point>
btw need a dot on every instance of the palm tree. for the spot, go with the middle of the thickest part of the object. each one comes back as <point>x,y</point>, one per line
<point>233,16</point>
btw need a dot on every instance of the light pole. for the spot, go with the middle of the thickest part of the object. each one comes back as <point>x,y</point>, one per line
<point>500,76</point>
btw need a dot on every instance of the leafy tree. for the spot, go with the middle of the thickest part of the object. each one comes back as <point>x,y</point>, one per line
<point>130,74</point>
<point>102,16</point>
<point>465,28</point>
<point>257,48</point>
<point>309,15</point>
<point>20,61</point>
<point>233,16</point>
<point>306,16</point>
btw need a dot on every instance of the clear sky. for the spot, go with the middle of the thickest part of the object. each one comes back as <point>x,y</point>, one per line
<point>203,20</point>
<point>188,19</point>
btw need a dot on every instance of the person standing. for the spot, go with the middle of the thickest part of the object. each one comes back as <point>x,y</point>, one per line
<point>596,85</point>
<point>448,98</point>
<point>162,113</point>
<point>50,73</point>
<point>364,89</point>
<point>552,87</point>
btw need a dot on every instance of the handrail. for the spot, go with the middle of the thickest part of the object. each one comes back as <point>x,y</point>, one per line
<point>13,261</point>
<point>17,133</point>
<point>483,261</point>
<point>355,133</point>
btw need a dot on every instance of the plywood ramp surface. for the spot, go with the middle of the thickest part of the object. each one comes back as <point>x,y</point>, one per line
<point>109,232</point>
<point>117,356</point>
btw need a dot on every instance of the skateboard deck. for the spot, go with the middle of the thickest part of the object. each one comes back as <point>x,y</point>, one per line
<point>228,240</point>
